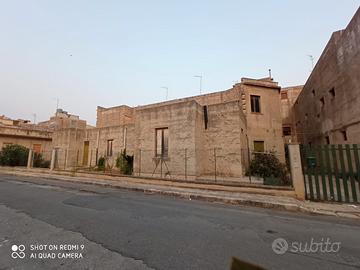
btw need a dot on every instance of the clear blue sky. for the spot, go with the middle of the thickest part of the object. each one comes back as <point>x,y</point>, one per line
<point>108,53</point>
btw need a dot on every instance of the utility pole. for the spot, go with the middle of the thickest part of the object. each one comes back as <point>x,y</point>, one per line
<point>167,91</point>
<point>200,77</point>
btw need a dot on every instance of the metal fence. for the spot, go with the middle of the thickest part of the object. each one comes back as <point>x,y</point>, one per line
<point>180,163</point>
<point>208,164</point>
<point>331,172</point>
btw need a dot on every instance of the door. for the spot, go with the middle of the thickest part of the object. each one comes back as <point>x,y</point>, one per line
<point>86,153</point>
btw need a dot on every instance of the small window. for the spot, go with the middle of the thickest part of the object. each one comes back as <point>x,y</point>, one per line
<point>322,102</point>
<point>327,139</point>
<point>205,117</point>
<point>306,116</point>
<point>162,142</point>
<point>313,92</point>
<point>109,148</point>
<point>255,103</point>
<point>284,95</point>
<point>332,93</point>
<point>259,146</point>
<point>286,131</point>
<point>344,134</point>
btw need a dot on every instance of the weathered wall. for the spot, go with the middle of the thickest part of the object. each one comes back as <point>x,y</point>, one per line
<point>114,116</point>
<point>220,146</point>
<point>26,137</point>
<point>267,125</point>
<point>122,137</point>
<point>288,96</point>
<point>179,118</point>
<point>338,68</point>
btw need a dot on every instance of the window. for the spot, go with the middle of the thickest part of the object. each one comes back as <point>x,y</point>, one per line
<point>322,102</point>
<point>37,148</point>
<point>255,103</point>
<point>332,93</point>
<point>162,142</point>
<point>259,146</point>
<point>109,148</point>
<point>313,92</point>
<point>344,134</point>
<point>206,117</point>
<point>286,131</point>
<point>284,95</point>
<point>327,139</point>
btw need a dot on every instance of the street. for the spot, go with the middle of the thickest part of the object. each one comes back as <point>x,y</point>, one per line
<point>122,229</point>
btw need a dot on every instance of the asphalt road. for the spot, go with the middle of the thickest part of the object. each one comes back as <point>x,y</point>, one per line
<point>131,230</point>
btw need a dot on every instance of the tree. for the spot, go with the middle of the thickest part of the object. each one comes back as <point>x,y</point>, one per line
<point>14,155</point>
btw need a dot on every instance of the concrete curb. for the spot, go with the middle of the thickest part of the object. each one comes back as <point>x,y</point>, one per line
<point>293,207</point>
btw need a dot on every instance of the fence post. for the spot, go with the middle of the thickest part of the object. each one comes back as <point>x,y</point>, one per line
<point>91,153</point>
<point>139,162</point>
<point>297,175</point>
<point>53,157</point>
<point>30,158</point>
<point>185,163</point>
<point>65,159</point>
<point>77,160</point>
<point>215,162</point>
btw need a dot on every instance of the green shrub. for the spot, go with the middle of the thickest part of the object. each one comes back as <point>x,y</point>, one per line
<point>101,164</point>
<point>14,155</point>
<point>268,165</point>
<point>125,163</point>
<point>40,162</point>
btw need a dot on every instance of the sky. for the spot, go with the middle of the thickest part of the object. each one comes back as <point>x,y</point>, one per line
<point>110,52</point>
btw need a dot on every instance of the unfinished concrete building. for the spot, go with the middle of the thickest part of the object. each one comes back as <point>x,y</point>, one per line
<point>196,137</point>
<point>328,109</point>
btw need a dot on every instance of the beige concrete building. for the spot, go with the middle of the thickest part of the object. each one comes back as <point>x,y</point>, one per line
<point>195,137</point>
<point>328,108</point>
<point>24,133</point>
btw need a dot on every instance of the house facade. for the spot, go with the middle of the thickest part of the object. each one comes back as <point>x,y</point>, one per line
<point>191,138</point>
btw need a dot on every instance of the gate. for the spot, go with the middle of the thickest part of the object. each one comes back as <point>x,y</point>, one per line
<point>331,172</point>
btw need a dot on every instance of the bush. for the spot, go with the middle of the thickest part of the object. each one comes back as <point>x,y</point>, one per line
<point>39,161</point>
<point>125,163</point>
<point>268,165</point>
<point>101,164</point>
<point>14,155</point>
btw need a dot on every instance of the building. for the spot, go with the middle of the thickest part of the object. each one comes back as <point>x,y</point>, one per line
<point>196,137</point>
<point>24,133</point>
<point>288,97</point>
<point>328,108</point>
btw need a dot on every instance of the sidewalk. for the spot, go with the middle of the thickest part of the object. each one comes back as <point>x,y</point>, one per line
<point>253,196</point>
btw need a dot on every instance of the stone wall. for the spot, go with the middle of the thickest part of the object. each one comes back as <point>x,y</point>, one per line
<point>114,116</point>
<point>267,124</point>
<point>328,108</point>
<point>27,137</point>
<point>288,97</point>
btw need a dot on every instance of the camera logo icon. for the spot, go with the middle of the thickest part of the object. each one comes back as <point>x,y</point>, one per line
<point>18,251</point>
